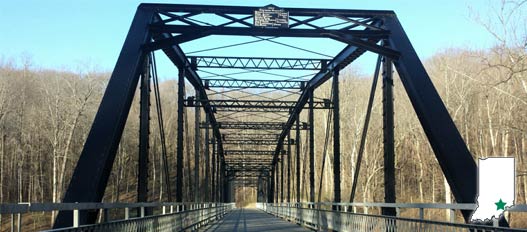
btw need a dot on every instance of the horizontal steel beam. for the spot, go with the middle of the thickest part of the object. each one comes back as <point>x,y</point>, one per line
<point>255,142</point>
<point>254,126</point>
<point>249,136</point>
<point>254,31</point>
<point>249,10</point>
<point>248,152</point>
<point>257,63</point>
<point>254,84</point>
<point>271,104</point>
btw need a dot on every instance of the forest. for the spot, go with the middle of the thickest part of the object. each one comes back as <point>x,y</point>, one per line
<point>45,116</point>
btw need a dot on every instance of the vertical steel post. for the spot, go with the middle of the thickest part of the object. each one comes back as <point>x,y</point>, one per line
<point>276,183</point>
<point>144,131</point>
<point>270,195</point>
<point>206,183</point>
<point>197,143</point>
<point>336,139</point>
<point>289,166</point>
<point>93,169</point>
<point>311,147</point>
<point>179,156</point>
<point>213,182</point>
<point>388,132</point>
<point>282,181</point>
<point>297,150</point>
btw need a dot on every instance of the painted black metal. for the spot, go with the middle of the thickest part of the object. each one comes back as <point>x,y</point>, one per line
<point>206,183</point>
<point>213,174</point>
<point>270,195</point>
<point>297,157</point>
<point>93,169</point>
<point>346,56</point>
<point>180,136</point>
<point>249,152</point>
<point>288,153</point>
<point>299,33</point>
<point>144,134</point>
<point>253,84</point>
<point>451,151</point>
<point>388,136</point>
<point>262,142</point>
<point>242,136</point>
<point>311,118</point>
<point>269,104</point>
<point>336,138</point>
<point>365,129</point>
<point>255,126</point>
<point>99,151</point>
<point>197,145</point>
<point>258,62</point>
<point>282,180</point>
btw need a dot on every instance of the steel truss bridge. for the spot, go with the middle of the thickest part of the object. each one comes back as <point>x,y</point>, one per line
<point>252,138</point>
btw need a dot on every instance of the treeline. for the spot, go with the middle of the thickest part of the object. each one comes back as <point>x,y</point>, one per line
<point>45,117</point>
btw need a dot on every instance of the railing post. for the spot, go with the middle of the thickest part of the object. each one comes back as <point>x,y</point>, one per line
<point>452,215</point>
<point>142,211</point>
<point>75,218</point>
<point>421,213</point>
<point>106,215</point>
<point>126,213</point>
<point>12,222</point>
<point>19,222</point>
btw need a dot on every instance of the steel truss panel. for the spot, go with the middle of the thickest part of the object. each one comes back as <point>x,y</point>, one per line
<point>254,126</point>
<point>254,84</point>
<point>451,151</point>
<point>268,104</point>
<point>90,176</point>
<point>248,152</point>
<point>257,63</point>
<point>253,142</point>
<point>250,136</point>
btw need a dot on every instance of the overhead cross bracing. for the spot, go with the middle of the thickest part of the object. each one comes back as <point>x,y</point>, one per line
<point>254,126</point>
<point>265,91</point>
<point>253,84</point>
<point>261,104</point>
<point>257,62</point>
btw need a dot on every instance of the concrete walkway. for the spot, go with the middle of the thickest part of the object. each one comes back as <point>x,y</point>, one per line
<point>252,220</point>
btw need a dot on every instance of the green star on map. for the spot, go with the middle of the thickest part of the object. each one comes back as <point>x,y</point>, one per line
<point>500,205</point>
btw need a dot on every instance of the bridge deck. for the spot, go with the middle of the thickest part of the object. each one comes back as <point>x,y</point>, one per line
<point>252,220</point>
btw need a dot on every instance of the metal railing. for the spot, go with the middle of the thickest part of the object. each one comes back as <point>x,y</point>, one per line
<point>170,216</point>
<point>312,215</point>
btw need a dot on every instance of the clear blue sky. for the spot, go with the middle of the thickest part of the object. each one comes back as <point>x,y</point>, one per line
<point>63,34</point>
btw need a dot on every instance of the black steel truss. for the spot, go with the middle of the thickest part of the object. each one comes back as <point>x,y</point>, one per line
<point>248,152</point>
<point>166,26</point>
<point>249,136</point>
<point>267,104</point>
<point>254,126</point>
<point>257,63</point>
<point>255,142</point>
<point>254,84</point>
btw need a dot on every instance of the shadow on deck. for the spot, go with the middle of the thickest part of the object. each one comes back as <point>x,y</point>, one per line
<point>252,220</point>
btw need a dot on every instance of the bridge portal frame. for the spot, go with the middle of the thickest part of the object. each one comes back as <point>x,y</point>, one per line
<point>152,30</point>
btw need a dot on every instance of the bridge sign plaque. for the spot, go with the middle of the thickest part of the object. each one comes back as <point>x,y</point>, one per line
<point>271,16</point>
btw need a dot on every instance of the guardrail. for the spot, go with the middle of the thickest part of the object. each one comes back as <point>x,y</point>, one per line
<point>312,216</point>
<point>172,217</point>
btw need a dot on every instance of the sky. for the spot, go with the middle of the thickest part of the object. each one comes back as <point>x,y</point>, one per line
<point>89,34</point>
